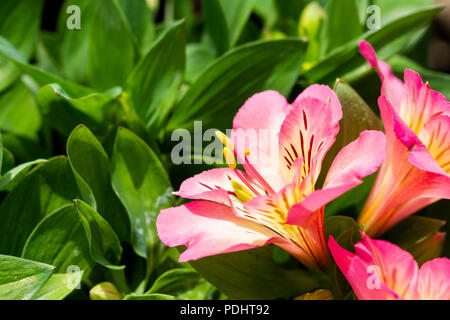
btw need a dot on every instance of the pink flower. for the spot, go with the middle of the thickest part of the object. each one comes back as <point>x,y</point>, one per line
<point>274,199</point>
<point>415,172</point>
<point>379,270</point>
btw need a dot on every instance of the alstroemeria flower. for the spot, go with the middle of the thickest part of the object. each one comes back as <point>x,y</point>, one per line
<point>379,270</point>
<point>274,203</point>
<point>415,172</point>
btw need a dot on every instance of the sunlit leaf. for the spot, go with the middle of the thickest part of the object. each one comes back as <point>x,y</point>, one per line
<point>154,83</point>
<point>142,185</point>
<point>20,279</point>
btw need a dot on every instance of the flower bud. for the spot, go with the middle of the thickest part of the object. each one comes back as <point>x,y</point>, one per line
<point>310,20</point>
<point>105,291</point>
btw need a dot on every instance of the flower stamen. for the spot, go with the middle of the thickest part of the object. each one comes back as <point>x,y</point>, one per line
<point>241,192</point>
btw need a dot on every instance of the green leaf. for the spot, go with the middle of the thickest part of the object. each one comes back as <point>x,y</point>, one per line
<point>412,231</point>
<point>391,10</point>
<point>341,25</point>
<point>344,230</point>
<point>15,102</point>
<point>103,242</point>
<point>49,187</point>
<point>74,44</point>
<point>149,297</point>
<point>154,83</point>
<point>176,281</point>
<point>202,291</point>
<point>88,158</point>
<point>347,63</point>
<point>111,47</point>
<point>216,26</point>
<point>266,9</point>
<point>19,23</point>
<point>44,57</point>
<point>290,9</point>
<point>135,124</point>
<point>252,274</point>
<point>22,149</point>
<point>54,242</point>
<point>140,18</point>
<point>62,112</point>
<point>217,94</point>
<point>20,279</point>
<point>362,10</point>
<point>59,286</point>
<point>140,182</point>
<point>42,77</point>
<point>8,161</point>
<point>346,233</point>
<point>237,13</point>
<point>1,154</point>
<point>198,57</point>
<point>10,179</point>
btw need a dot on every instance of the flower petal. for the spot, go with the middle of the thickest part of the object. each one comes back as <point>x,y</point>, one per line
<point>358,159</point>
<point>264,110</point>
<point>420,103</point>
<point>392,87</point>
<point>355,161</point>
<point>399,270</point>
<point>207,228</point>
<point>323,93</point>
<point>436,137</point>
<point>256,127</point>
<point>434,280</point>
<point>360,274</point>
<point>214,185</point>
<point>309,131</point>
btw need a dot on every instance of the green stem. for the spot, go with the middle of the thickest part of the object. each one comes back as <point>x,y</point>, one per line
<point>169,12</point>
<point>119,280</point>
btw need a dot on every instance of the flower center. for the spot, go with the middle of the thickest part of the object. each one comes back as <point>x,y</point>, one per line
<point>245,190</point>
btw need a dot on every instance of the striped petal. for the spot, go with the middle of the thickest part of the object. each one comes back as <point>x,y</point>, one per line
<point>309,131</point>
<point>207,228</point>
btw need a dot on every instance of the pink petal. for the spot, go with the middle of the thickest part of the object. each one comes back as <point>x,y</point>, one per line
<point>355,161</point>
<point>213,185</point>
<point>323,93</point>
<point>420,103</point>
<point>264,110</point>
<point>434,182</point>
<point>256,127</point>
<point>419,155</point>
<point>358,159</point>
<point>309,130</point>
<point>208,228</point>
<point>360,274</point>
<point>392,86</point>
<point>398,268</point>
<point>434,280</point>
<point>393,122</point>
<point>436,137</point>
